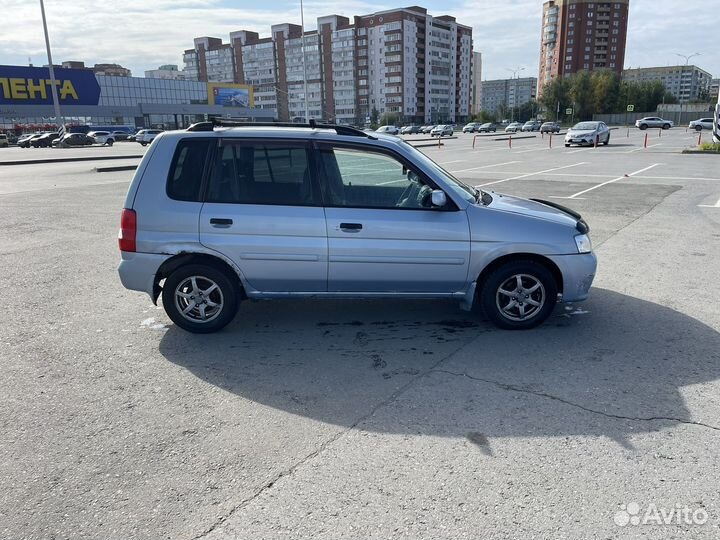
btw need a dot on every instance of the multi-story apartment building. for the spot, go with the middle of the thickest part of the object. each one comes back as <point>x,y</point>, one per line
<point>402,62</point>
<point>476,97</point>
<point>168,72</point>
<point>714,90</point>
<point>687,83</point>
<point>502,96</point>
<point>582,35</point>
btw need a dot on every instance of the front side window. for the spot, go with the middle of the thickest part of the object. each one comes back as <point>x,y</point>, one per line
<point>262,173</point>
<point>358,178</point>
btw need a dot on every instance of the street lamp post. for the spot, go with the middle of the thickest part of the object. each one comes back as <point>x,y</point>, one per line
<point>302,41</point>
<point>687,58</point>
<point>516,76</point>
<point>53,84</point>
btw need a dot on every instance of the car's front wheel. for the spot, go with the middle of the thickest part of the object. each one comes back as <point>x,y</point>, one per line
<point>519,295</point>
<point>200,298</point>
<point>643,126</point>
<point>666,126</point>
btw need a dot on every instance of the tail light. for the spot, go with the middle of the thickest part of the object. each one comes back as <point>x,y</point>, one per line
<point>128,230</point>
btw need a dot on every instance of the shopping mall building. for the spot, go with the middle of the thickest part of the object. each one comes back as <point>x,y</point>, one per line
<point>90,99</point>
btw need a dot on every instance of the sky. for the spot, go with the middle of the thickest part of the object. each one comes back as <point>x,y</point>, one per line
<point>143,34</point>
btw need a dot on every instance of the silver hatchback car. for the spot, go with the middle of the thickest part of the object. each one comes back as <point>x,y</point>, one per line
<point>217,214</point>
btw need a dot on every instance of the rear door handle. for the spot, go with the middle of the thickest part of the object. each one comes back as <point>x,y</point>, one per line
<point>221,222</point>
<point>351,227</point>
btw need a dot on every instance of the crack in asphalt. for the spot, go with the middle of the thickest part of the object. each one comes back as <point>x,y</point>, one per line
<point>519,389</point>
<point>289,471</point>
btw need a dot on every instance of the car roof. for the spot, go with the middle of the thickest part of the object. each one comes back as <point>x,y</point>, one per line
<point>299,133</point>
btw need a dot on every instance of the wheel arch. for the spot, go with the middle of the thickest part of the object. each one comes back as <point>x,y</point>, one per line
<point>183,259</point>
<point>515,257</point>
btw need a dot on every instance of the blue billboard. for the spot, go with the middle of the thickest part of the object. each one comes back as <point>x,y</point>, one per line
<point>20,85</point>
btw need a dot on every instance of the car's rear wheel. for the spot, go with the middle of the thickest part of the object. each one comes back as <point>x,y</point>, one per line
<point>519,295</point>
<point>109,142</point>
<point>200,298</point>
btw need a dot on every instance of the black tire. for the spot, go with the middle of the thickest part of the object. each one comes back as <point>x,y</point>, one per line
<point>698,128</point>
<point>567,145</point>
<point>666,126</point>
<point>491,298</point>
<point>143,144</point>
<point>109,142</point>
<point>226,294</point>
<point>607,141</point>
<point>643,126</point>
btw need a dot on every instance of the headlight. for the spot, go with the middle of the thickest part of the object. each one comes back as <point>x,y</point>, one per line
<point>584,245</point>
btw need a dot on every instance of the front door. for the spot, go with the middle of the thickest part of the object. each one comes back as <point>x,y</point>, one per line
<point>384,235</point>
<point>263,211</point>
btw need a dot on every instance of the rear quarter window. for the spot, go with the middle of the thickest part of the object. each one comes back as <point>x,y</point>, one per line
<point>187,168</point>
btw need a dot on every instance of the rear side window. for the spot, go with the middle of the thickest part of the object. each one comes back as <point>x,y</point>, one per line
<point>262,173</point>
<point>186,170</point>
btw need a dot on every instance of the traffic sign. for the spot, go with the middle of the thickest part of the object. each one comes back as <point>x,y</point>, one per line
<point>568,111</point>
<point>630,108</point>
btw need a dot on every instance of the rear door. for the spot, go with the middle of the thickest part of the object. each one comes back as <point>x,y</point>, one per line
<point>262,210</point>
<point>383,233</point>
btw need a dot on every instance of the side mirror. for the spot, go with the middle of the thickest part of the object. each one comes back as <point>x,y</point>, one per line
<point>439,199</point>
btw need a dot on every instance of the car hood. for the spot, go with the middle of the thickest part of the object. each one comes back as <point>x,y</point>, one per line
<point>531,208</point>
<point>581,133</point>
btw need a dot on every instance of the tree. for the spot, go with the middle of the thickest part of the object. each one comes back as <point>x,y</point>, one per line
<point>556,93</point>
<point>581,92</point>
<point>374,114</point>
<point>389,119</point>
<point>605,92</point>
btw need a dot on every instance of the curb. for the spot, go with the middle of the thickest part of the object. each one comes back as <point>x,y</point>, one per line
<point>66,160</point>
<point>704,152</point>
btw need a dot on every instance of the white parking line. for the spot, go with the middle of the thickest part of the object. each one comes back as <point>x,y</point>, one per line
<point>608,182</point>
<point>716,205</point>
<point>642,148</point>
<point>483,167</point>
<point>532,174</point>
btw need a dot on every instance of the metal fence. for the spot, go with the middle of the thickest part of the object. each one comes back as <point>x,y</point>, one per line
<point>680,119</point>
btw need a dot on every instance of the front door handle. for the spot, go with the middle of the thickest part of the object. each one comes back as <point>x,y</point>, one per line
<point>221,222</point>
<point>351,227</point>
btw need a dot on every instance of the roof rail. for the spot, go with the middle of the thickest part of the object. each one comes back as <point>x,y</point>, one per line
<point>238,122</point>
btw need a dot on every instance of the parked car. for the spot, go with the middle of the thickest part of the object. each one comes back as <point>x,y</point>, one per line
<point>514,127</point>
<point>4,141</point>
<point>653,122</point>
<point>146,136</point>
<point>441,131</point>
<point>427,129</point>
<point>44,141</point>
<point>390,130</point>
<point>488,127</point>
<point>531,125</point>
<point>343,233</point>
<point>702,123</point>
<point>102,137</point>
<point>550,127</point>
<point>73,139</point>
<point>26,140</point>
<point>586,133</point>
<point>472,127</point>
<point>120,135</point>
<point>410,130</point>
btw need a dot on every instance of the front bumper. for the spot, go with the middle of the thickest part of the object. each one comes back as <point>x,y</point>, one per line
<point>578,273</point>
<point>138,270</point>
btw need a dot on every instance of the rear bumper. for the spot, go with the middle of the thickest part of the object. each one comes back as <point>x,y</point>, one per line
<point>138,270</point>
<point>578,273</point>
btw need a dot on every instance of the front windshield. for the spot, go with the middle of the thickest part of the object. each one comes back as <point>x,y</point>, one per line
<point>463,190</point>
<point>585,125</point>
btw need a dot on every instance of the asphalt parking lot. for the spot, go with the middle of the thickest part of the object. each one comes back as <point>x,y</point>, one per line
<point>369,419</point>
